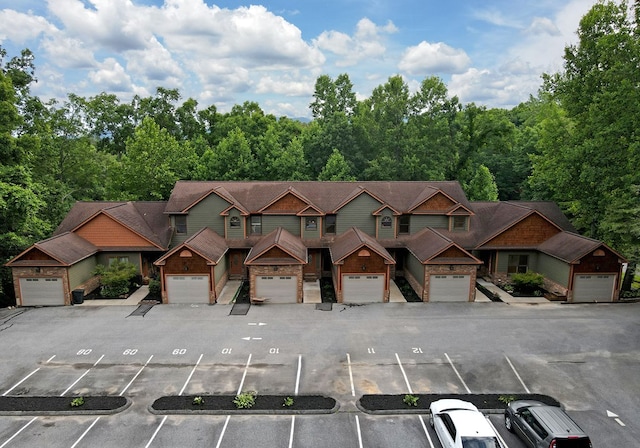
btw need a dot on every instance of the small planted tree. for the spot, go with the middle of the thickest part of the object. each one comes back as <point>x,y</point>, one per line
<point>116,279</point>
<point>527,282</point>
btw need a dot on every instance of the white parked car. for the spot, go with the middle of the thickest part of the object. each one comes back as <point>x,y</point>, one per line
<point>459,424</point>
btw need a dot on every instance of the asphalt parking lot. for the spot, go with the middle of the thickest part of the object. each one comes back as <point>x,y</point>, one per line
<point>586,356</point>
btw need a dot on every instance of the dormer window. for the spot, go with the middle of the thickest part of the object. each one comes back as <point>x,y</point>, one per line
<point>310,223</point>
<point>234,222</point>
<point>386,221</point>
<point>181,224</point>
<point>459,223</point>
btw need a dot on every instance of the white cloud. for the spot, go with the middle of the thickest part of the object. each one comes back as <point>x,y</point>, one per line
<point>154,63</point>
<point>426,58</point>
<point>20,27</point>
<point>366,43</point>
<point>68,52</point>
<point>287,86</point>
<point>543,25</point>
<point>493,88</point>
<point>111,77</point>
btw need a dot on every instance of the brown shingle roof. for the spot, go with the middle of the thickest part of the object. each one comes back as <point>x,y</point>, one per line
<point>570,247</point>
<point>66,248</point>
<point>146,218</point>
<point>428,243</point>
<point>206,243</point>
<point>351,241</point>
<point>282,239</point>
<point>326,196</point>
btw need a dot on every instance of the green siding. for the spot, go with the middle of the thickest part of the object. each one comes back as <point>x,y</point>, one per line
<point>235,232</point>
<point>386,232</point>
<point>503,260</point>
<point>134,258</point>
<point>291,223</point>
<point>416,268</point>
<point>221,269</point>
<point>81,272</point>
<point>206,213</point>
<point>312,233</point>
<point>554,269</point>
<point>358,213</point>
<point>419,222</point>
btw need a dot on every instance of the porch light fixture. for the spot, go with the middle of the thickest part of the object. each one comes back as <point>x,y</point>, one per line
<point>186,268</point>
<point>451,267</point>
<point>364,267</point>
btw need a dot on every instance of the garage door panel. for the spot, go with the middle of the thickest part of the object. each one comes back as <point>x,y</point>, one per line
<point>42,291</point>
<point>449,288</point>
<point>188,289</point>
<point>362,288</point>
<point>593,287</point>
<point>277,288</point>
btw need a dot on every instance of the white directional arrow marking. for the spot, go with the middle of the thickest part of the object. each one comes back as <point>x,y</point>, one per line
<point>260,324</point>
<point>251,339</point>
<point>615,417</point>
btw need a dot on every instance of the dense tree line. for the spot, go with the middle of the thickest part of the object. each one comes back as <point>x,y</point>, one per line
<point>575,142</point>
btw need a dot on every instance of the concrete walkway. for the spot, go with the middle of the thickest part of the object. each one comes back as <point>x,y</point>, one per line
<point>505,296</point>
<point>133,300</point>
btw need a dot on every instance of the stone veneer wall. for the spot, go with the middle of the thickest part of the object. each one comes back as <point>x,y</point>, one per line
<point>283,270</point>
<point>90,285</point>
<point>444,269</point>
<point>218,288</point>
<point>30,272</point>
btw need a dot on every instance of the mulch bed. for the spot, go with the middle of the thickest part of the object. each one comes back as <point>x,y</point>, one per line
<point>265,404</point>
<point>46,405</point>
<point>393,403</point>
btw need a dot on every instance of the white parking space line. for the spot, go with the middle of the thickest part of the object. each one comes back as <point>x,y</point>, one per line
<point>85,432</point>
<point>353,389</point>
<point>18,432</point>
<point>359,432</point>
<point>191,374</point>
<point>81,376</point>
<point>298,375</point>
<point>26,377</point>
<point>426,431</point>
<point>224,429</point>
<point>135,376</point>
<point>517,375</point>
<point>293,425</point>
<point>244,374</point>
<point>500,439</point>
<point>155,433</point>
<point>20,382</point>
<point>458,374</point>
<point>404,374</point>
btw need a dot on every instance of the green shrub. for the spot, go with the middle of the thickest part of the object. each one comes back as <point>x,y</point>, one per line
<point>155,289</point>
<point>410,400</point>
<point>527,282</point>
<point>199,401</point>
<point>77,402</point>
<point>288,402</point>
<point>245,400</point>
<point>506,399</point>
<point>116,279</point>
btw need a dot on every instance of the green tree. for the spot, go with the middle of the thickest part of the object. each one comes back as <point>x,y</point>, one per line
<point>482,186</point>
<point>152,164</point>
<point>232,159</point>
<point>336,169</point>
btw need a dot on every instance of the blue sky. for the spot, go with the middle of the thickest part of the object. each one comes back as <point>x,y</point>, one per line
<point>226,52</point>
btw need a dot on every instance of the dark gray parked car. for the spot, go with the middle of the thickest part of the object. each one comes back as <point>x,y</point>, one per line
<point>543,426</point>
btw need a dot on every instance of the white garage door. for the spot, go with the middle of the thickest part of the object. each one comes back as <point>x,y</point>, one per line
<point>362,288</point>
<point>277,288</point>
<point>589,288</point>
<point>41,291</point>
<point>449,288</point>
<point>188,288</point>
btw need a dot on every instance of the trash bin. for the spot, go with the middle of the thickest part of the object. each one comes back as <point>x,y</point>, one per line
<point>78,296</point>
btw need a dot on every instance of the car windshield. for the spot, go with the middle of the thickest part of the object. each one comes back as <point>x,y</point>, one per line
<point>480,442</point>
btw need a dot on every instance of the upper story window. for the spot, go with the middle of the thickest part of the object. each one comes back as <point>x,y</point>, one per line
<point>118,259</point>
<point>234,221</point>
<point>310,223</point>
<point>256,225</point>
<point>403,224</point>
<point>181,224</point>
<point>386,221</point>
<point>330,224</point>
<point>459,223</point>
<point>518,264</point>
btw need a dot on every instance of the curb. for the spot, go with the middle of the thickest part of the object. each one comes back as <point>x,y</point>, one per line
<point>64,402</point>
